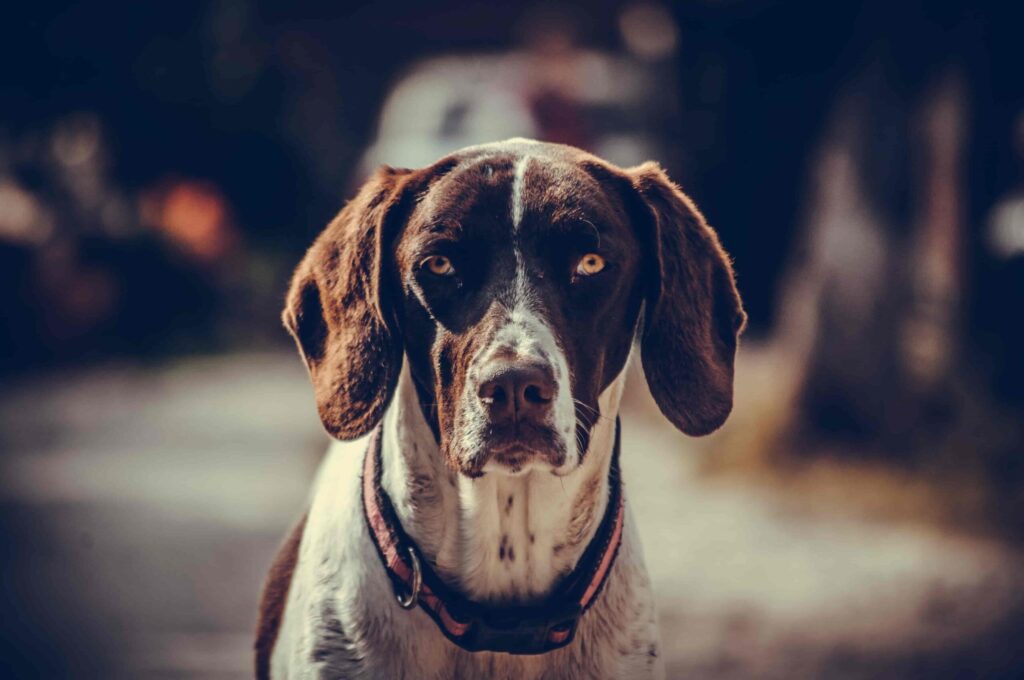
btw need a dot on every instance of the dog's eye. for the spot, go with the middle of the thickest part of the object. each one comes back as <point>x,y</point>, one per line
<point>590,264</point>
<point>438,265</point>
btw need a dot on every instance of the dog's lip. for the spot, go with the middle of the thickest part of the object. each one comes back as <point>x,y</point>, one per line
<point>514,456</point>
<point>524,433</point>
<point>502,448</point>
<point>517,453</point>
<point>514,449</point>
<point>517,464</point>
<point>534,445</point>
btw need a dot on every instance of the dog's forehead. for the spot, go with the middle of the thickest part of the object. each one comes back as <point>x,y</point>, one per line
<point>505,189</point>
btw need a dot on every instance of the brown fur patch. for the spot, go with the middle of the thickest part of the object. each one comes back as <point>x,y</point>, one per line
<point>275,597</point>
<point>694,314</point>
<point>340,311</point>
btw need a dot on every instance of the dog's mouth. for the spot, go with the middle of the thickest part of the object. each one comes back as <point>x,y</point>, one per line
<point>516,449</point>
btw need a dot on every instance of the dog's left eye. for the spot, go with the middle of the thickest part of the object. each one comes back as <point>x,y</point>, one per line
<point>438,265</point>
<point>589,264</point>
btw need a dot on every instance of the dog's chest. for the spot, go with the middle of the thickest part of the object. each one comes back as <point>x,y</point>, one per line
<point>342,619</point>
<point>515,542</point>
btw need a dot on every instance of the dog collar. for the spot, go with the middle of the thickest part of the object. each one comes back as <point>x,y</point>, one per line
<point>477,627</point>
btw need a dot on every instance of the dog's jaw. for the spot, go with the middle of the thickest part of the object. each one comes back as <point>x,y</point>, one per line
<point>498,538</point>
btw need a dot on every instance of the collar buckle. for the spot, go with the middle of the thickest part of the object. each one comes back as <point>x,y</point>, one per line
<point>410,600</point>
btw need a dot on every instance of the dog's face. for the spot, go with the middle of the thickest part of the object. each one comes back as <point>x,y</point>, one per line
<point>520,295</point>
<point>512,276</point>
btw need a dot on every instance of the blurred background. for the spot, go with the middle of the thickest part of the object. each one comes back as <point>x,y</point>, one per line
<point>164,165</point>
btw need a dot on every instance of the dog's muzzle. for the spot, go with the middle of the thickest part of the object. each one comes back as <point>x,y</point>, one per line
<point>517,400</point>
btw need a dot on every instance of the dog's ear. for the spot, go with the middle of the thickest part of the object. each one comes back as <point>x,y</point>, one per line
<point>336,310</point>
<point>693,315</point>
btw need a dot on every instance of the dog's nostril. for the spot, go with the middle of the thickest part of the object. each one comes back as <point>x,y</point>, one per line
<point>536,394</point>
<point>493,393</point>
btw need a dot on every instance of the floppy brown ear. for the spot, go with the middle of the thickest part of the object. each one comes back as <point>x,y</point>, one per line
<point>334,311</point>
<point>693,314</point>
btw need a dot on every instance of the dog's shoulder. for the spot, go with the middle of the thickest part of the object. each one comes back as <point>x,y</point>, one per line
<point>297,573</point>
<point>275,596</point>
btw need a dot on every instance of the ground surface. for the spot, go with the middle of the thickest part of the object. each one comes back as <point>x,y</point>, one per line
<point>140,507</point>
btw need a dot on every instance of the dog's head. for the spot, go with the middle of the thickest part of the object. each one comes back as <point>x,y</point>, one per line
<point>512,276</point>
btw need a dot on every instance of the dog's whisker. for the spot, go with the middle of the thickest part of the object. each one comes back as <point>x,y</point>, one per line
<point>587,407</point>
<point>590,413</point>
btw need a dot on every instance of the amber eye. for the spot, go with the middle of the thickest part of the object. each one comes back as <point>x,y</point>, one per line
<point>439,265</point>
<point>590,264</point>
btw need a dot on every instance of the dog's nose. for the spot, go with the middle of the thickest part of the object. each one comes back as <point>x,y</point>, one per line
<point>515,391</point>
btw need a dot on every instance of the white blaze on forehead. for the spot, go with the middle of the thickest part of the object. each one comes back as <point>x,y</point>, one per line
<point>522,292</point>
<point>517,191</point>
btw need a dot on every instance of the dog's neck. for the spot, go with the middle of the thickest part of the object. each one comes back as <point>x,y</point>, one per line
<point>497,538</point>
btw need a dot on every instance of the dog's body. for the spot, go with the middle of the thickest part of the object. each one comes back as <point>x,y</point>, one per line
<point>498,392</point>
<point>342,620</point>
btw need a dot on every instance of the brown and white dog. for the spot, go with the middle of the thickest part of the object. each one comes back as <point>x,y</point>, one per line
<point>471,323</point>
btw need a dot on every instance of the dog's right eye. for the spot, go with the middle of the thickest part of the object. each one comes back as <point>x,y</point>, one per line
<point>438,265</point>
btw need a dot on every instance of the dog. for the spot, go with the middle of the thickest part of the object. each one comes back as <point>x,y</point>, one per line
<point>466,328</point>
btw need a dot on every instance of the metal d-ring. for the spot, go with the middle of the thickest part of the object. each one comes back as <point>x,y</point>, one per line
<point>409,601</point>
